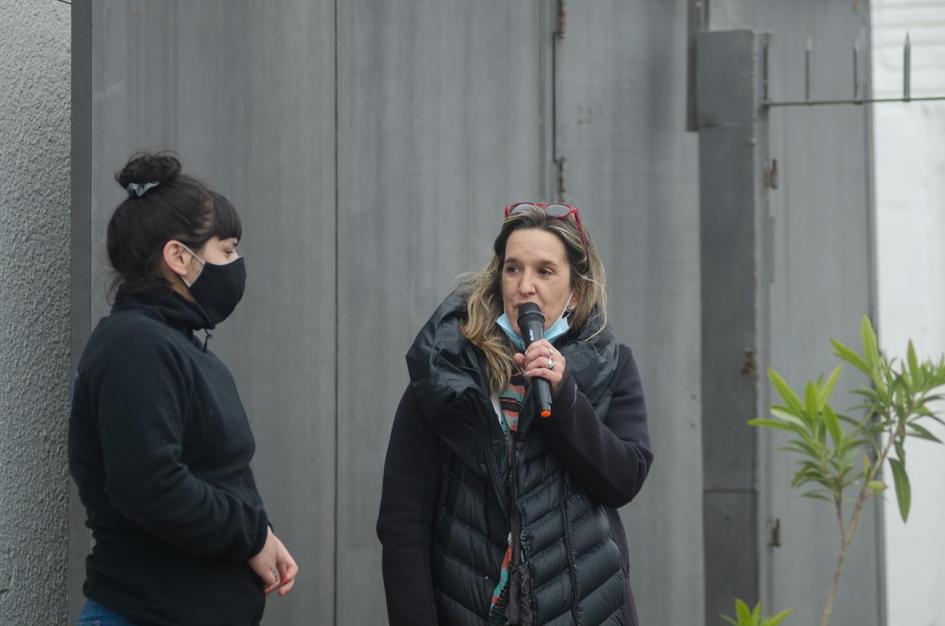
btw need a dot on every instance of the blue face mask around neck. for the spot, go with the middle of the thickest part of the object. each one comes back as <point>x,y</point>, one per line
<point>557,329</point>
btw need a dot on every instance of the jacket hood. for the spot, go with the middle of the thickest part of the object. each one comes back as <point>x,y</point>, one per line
<point>592,354</point>
<point>441,361</point>
<point>445,369</point>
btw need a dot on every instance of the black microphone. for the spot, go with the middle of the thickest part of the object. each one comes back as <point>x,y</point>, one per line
<point>531,321</point>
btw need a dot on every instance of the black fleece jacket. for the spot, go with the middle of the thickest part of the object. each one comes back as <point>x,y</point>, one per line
<point>159,446</point>
<point>609,459</point>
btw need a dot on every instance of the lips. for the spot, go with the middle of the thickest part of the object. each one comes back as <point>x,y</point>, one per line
<point>516,307</point>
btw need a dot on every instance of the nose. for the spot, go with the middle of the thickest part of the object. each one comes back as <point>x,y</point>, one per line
<point>526,286</point>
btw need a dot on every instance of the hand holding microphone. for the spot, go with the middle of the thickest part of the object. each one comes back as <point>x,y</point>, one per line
<point>541,363</point>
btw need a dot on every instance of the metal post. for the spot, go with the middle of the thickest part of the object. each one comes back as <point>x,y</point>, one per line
<point>698,19</point>
<point>808,51</point>
<point>80,540</point>
<point>907,70</point>
<point>735,234</point>
<point>856,70</point>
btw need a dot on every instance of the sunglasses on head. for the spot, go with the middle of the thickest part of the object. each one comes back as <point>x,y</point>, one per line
<point>551,209</point>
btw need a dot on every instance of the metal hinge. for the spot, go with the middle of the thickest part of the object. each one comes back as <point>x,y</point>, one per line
<point>774,539</point>
<point>561,189</point>
<point>771,175</point>
<point>749,365</point>
<point>562,20</point>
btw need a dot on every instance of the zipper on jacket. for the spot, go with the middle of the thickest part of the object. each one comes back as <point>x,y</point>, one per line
<point>496,480</point>
<point>565,492</point>
<point>514,610</point>
<point>491,424</point>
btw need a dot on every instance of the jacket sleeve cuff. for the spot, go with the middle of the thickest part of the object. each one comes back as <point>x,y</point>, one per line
<point>262,532</point>
<point>566,396</point>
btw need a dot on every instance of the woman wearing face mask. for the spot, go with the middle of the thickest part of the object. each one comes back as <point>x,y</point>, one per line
<point>491,513</point>
<point>159,445</point>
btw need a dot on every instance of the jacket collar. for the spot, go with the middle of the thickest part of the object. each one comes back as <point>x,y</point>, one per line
<point>164,304</point>
<point>450,377</point>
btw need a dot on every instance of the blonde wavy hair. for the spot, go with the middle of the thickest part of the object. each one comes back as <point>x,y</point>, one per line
<point>484,290</point>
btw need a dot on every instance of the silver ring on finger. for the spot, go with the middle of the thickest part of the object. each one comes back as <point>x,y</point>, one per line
<point>551,363</point>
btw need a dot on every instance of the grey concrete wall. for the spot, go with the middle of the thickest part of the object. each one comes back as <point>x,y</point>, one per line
<point>632,167</point>
<point>815,280</point>
<point>246,96</point>
<point>438,128</point>
<point>370,147</point>
<point>821,283</point>
<point>34,310</point>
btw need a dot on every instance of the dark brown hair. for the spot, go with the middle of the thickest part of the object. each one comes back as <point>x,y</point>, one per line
<point>178,207</point>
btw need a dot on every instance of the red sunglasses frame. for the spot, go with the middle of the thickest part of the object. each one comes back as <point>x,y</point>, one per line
<point>571,210</point>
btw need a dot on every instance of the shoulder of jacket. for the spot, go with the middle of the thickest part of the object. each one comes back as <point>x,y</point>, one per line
<point>624,360</point>
<point>136,336</point>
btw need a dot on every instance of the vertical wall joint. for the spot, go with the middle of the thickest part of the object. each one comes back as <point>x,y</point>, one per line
<point>729,82</point>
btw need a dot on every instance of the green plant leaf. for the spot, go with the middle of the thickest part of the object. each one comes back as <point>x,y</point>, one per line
<point>729,620</point>
<point>827,389</point>
<point>922,433</point>
<point>832,422</point>
<point>846,354</point>
<point>900,394</point>
<point>811,400</point>
<point>820,431</point>
<point>777,618</point>
<point>801,447</point>
<point>882,394</point>
<point>781,414</point>
<point>903,490</point>
<point>787,394</point>
<point>912,361</point>
<point>756,614</point>
<point>809,474</point>
<point>860,442</point>
<point>870,405</point>
<point>924,411</point>
<point>870,346</point>
<point>766,423</point>
<point>743,612</point>
<point>788,410</point>
<point>858,424</point>
<point>900,451</point>
<point>937,419</point>
<point>876,486</point>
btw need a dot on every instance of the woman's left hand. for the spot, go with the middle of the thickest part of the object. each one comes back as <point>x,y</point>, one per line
<point>542,360</point>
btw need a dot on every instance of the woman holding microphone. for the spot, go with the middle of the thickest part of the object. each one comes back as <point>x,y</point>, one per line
<point>490,512</point>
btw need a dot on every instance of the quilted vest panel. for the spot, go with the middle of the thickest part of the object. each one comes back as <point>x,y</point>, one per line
<point>573,571</point>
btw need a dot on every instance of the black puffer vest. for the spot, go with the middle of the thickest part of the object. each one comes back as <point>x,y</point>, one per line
<point>567,567</point>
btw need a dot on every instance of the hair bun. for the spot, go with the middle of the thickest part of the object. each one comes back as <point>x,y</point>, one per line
<point>147,167</point>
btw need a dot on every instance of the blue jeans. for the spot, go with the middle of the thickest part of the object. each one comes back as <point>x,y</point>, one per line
<point>94,614</point>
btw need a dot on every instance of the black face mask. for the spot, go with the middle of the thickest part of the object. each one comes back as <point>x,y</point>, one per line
<point>219,288</point>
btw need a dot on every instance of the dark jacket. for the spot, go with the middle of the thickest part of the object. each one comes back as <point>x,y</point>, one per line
<point>454,489</point>
<point>159,446</point>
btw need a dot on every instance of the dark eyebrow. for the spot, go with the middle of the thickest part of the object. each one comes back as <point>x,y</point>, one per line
<point>542,263</point>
